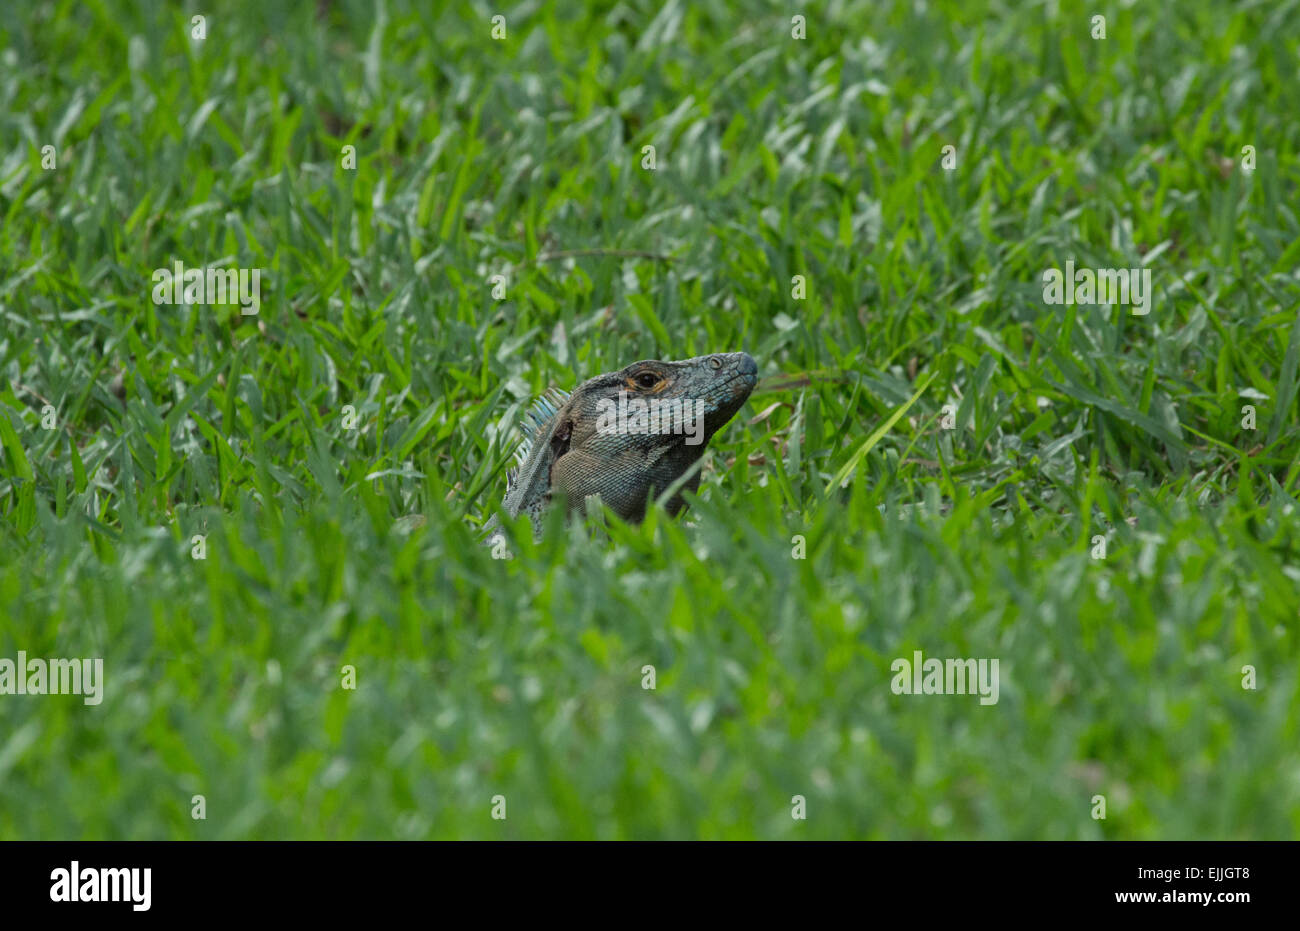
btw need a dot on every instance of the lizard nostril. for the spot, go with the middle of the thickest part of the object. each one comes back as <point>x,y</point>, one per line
<point>715,363</point>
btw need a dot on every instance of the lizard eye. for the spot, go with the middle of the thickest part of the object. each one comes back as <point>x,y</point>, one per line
<point>647,379</point>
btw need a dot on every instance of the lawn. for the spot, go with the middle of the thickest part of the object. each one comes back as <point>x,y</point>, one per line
<point>267,525</point>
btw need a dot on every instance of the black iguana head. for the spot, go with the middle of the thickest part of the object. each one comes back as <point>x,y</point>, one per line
<point>627,435</point>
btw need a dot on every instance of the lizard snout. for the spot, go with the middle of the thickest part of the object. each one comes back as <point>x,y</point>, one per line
<point>737,363</point>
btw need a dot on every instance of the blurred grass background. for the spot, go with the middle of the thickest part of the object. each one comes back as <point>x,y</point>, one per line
<point>521,157</point>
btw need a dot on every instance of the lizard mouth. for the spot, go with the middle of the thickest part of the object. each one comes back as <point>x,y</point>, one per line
<point>747,374</point>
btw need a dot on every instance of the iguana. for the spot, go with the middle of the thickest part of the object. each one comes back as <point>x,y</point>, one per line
<point>625,436</point>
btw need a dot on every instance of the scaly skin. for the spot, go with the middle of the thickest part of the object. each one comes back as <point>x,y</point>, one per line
<point>576,449</point>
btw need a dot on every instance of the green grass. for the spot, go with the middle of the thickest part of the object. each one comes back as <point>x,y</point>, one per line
<point>1120,676</point>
